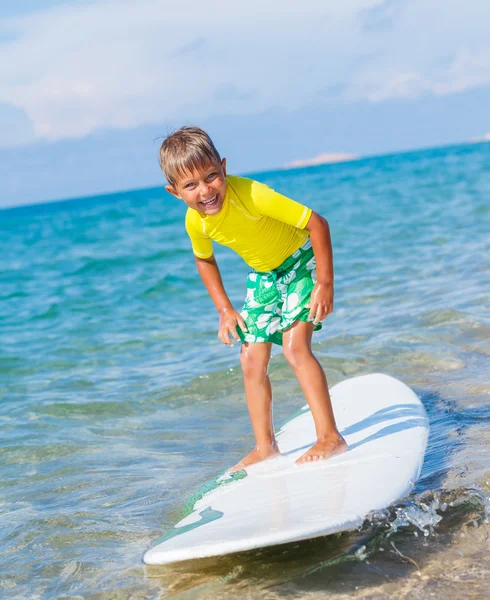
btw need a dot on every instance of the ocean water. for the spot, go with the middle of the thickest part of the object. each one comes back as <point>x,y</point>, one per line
<point>118,400</point>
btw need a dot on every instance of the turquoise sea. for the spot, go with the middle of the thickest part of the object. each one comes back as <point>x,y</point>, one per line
<point>117,400</point>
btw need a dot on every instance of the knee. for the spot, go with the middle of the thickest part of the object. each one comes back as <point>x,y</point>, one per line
<point>253,366</point>
<point>297,355</point>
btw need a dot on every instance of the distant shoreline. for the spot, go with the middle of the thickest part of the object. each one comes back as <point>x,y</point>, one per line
<point>483,138</point>
<point>326,158</point>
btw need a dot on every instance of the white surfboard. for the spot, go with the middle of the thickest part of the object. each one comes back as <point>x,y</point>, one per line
<point>386,428</point>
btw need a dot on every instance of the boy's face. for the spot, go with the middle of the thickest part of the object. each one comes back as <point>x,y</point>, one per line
<point>204,189</point>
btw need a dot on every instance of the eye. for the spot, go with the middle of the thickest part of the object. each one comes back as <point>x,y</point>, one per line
<point>189,185</point>
<point>212,175</point>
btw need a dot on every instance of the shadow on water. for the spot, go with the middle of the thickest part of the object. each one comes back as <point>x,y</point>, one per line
<point>261,568</point>
<point>395,547</point>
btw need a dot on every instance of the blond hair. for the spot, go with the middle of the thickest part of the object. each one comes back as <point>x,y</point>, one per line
<point>185,150</point>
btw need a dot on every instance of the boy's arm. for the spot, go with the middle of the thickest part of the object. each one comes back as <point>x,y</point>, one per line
<point>321,302</point>
<point>229,318</point>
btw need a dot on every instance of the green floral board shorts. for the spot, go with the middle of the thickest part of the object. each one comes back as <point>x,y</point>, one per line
<point>276,299</point>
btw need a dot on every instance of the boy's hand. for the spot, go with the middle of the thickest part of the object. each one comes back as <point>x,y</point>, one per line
<point>229,318</point>
<point>321,302</point>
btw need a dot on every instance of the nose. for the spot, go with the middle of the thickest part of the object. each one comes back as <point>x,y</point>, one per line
<point>205,189</point>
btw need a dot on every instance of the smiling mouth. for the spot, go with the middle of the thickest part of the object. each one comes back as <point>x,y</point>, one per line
<point>212,202</point>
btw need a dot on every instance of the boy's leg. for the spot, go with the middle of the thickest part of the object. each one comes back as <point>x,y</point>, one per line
<point>297,350</point>
<point>254,359</point>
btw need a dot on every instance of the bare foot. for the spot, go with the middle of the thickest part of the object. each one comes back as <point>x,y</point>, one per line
<point>323,449</point>
<point>257,455</point>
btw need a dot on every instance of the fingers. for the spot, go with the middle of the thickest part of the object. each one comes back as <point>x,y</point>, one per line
<point>234,334</point>
<point>312,308</point>
<point>319,312</point>
<point>320,304</point>
<point>224,337</point>
<point>229,328</point>
<point>224,334</point>
<point>320,316</point>
<point>241,323</point>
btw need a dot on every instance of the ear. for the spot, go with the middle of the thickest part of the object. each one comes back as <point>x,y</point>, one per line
<point>223,166</point>
<point>171,190</point>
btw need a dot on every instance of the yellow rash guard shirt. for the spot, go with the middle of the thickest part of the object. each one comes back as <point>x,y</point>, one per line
<point>259,224</point>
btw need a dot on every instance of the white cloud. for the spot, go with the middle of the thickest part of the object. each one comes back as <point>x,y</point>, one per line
<point>118,63</point>
<point>467,70</point>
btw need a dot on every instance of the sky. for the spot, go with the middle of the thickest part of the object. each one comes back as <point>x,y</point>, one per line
<point>88,88</point>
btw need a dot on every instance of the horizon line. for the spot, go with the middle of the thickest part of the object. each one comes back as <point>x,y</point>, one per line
<point>283,169</point>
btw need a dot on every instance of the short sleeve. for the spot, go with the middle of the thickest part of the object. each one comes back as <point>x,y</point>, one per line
<point>275,205</point>
<point>202,245</point>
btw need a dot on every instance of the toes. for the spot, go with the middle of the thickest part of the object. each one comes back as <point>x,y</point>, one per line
<point>320,454</point>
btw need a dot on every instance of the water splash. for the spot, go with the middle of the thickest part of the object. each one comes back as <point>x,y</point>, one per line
<point>428,511</point>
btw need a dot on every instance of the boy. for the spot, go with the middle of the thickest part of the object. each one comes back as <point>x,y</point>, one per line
<point>289,291</point>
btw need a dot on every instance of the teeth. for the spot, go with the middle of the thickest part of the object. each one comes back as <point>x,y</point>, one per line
<point>210,201</point>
